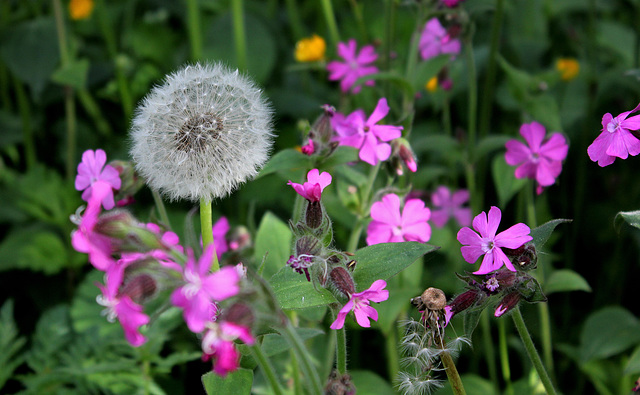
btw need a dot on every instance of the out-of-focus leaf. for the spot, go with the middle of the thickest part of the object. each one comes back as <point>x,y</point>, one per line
<point>284,160</point>
<point>565,280</point>
<point>608,332</point>
<point>429,69</point>
<point>507,185</point>
<point>631,217</point>
<point>490,143</point>
<point>542,233</point>
<point>382,261</point>
<point>273,240</point>
<point>11,128</point>
<point>274,344</point>
<point>633,364</point>
<point>73,74</point>
<point>399,300</point>
<point>33,248</point>
<point>473,385</point>
<point>10,343</point>
<point>30,51</point>
<point>234,383</point>
<point>343,154</point>
<point>367,382</point>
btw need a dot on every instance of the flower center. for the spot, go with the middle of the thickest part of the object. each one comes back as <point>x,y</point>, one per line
<point>199,132</point>
<point>613,126</point>
<point>397,231</point>
<point>487,245</point>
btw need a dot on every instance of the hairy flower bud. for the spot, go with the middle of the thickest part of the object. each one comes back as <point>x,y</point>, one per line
<point>313,216</point>
<point>508,302</point>
<point>131,183</point>
<point>342,280</point>
<point>139,288</point>
<point>339,384</point>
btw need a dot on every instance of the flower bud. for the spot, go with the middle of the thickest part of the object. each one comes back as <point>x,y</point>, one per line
<point>342,280</point>
<point>525,257</point>
<point>313,217</point>
<point>240,238</point>
<point>508,302</point>
<point>116,224</point>
<point>131,183</point>
<point>402,151</point>
<point>239,314</point>
<point>339,384</point>
<point>465,300</point>
<point>139,288</point>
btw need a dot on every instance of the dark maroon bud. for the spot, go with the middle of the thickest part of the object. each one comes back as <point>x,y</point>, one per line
<point>342,280</point>
<point>508,302</point>
<point>506,278</point>
<point>307,245</point>
<point>464,301</point>
<point>139,288</point>
<point>239,314</point>
<point>313,218</point>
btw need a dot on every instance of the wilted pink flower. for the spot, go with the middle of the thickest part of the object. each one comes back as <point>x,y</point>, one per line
<point>507,303</point>
<point>356,131</point>
<point>436,41</point>
<point>312,189</point>
<point>217,344</point>
<point>447,205</point>
<point>202,288</point>
<point>391,226</point>
<point>616,139</point>
<point>84,239</point>
<point>355,65</point>
<point>359,304</point>
<point>489,244</point>
<point>92,169</point>
<point>128,313</point>
<point>541,158</point>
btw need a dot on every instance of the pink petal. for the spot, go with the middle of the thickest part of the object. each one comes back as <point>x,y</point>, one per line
<point>555,148</point>
<point>468,237</point>
<point>517,152</point>
<point>494,221</point>
<point>414,212</point>
<point>378,232</point>
<point>387,210</point>
<point>420,232</point>
<point>514,237</point>
<point>471,253</point>
<point>222,284</point>
<point>363,314</point>
<point>533,133</point>
<point>381,110</point>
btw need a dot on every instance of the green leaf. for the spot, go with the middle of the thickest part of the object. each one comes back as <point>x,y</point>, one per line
<point>608,332</point>
<point>35,249</point>
<point>342,154</point>
<point>542,233</point>
<point>566,280</point>
<point>238,382</point>
<point>490,143</point>
<point>30,51</point>
<point>429,69</point>
<point>507,185</point>
<point>293,291</point>
<point>367,382</point>
<point>73,74</point>
<point>286,159</point>
<point>391,76</point>
<point>10,343</point>
<point>382,261</point>
<point>273,239</point>
<point>473,385</point>
<point>632,218</point>
<point>633,364</point>
<point>531,291</point>
<point>470,320</point>
<point>274,344</point>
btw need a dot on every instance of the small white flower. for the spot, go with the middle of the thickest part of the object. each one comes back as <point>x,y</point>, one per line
<point>201,133</point>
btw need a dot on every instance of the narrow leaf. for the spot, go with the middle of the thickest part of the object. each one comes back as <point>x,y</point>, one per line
<point>566,280</point>
<point>542,233</point>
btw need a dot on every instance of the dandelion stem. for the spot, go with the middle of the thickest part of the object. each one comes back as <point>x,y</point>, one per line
<point>329,16</point>
<point>239,36</point>
<point>195,35</point>
<point>206,229</point>
<point>531,350</point>
<point>452,373</point>
<point>267,368</point>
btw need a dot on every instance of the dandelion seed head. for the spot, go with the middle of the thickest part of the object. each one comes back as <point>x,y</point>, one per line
<point>201,133</point>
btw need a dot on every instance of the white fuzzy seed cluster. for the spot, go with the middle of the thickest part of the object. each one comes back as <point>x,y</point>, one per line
<point>201,133</point>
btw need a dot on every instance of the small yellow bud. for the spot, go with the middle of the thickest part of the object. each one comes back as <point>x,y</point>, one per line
<point>310,49</point>
<point>568,68</point>
<point>432,84</point>
<point>80,9</point>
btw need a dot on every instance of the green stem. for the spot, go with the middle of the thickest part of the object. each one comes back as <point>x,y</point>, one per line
<point>206,228</point>
<point>490,78</point>
<point>25,115</point>
<point>193,25</point>
<point>239,36</point>
<point>330,19</point>
<point>313,380</point>
<point>341,347</point>
<point>446,115</point>
<point>92,108</point>
<point>161,208</point>
<point>393,359</point>
<point>267,369</point>
<point>294,19</point>
<point>471,127</point>
<point>452,373</point>
<point>357,12</point>
<point>504,355</point>
<point>531,351</point>
<point>364,206</point>
<point>489,349</point>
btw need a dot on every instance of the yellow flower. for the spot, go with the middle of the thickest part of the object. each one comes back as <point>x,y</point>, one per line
<point>310,49</point>
<point>568,68</point>
<point>80,9</point>
<point>432,84</point>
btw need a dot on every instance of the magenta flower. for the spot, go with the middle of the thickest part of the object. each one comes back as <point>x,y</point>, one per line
<point>312,189</point>
<point>355,65</point>
<point>220,229</point>
<point>539,159</point>
<point>202,288</point>
<point>356,131</point>
<point>436,41</point>
<point>92,169</point>
<point>489,244</point>
<point>447,205</point>
<point>128,313</point>
<point>85,239</point>
<point>451,3</point>
<point>359,304</point>
<point>391,226</point>
<point>616,139</point>
<point>217,344</point>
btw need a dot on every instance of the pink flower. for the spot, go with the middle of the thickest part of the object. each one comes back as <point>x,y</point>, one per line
<point>355,65</point>
<point>436,41</point>
<point>390,226</point>
<point>451,3</point>
<point>359,304</point>
<point>84,239</point>
<point>308,149</point>
<point>356,131</point>
<point>316,183</point>
<point>202,288</point>
<point>489,244</point>
<point>220,229</point>
<point>616,139</point>
<point>92,169</point>
<point>124,309</point>
<point>446,205</point>
<point>217,344</point>
<point>539,159</point>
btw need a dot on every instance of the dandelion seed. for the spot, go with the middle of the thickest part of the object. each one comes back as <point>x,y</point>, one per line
<point>202,133</point>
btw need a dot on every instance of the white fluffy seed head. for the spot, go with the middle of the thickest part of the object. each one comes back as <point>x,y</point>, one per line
<point>201,133</point>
